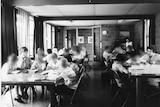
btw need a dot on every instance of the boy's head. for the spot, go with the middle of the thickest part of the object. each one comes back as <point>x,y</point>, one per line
<point>38,58</point>
<point>54,57</point>
<point>66,51</point>
<point>40,51</point>
<point>134,55</point>
<point>24,51</point>
<point>49,51</point>
<point>76,50</point>
<point>150,50</point>
<point>121,58</point>
<point>12,59</point>
<point>63,62</point>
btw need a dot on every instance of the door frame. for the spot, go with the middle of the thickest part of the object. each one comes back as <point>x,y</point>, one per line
<point>100,47</point>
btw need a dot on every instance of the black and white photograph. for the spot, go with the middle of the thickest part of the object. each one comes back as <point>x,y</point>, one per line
<point>80,53</point>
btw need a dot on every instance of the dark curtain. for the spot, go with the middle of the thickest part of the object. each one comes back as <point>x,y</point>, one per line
<point>38,34</point>
<point>8,32</point>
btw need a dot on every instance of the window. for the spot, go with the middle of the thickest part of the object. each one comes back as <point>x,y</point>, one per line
<point>31,36</point>
<point>53,36</point>
<point>25,30</point>
<point>146,33</point>
<point>49,36</point>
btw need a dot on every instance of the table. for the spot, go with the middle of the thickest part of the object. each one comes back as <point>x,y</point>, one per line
<point>30,79</point>
<point>143,71</point>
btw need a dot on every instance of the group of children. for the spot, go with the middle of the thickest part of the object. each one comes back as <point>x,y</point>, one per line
<point>120,61</point>
<point>61,68</point>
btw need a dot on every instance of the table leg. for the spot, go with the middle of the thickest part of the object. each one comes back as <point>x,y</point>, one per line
<point>53,96</point>
<point>31,95</point>
<point>138,92</point>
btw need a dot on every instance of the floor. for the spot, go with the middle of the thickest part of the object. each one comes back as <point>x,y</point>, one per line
<point>92,93</point>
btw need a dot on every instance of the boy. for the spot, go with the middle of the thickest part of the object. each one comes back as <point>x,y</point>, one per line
<point>38,64</point>
<point>53,63</point>
<point>24,62</point>
<point>118,64</point>
<point>10,65</point>
<point>49,53</point>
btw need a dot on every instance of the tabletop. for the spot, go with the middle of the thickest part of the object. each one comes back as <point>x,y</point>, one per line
<point>25,79</point>
<point>152,70</point>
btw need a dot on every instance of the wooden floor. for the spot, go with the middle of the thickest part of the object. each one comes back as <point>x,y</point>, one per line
<point>92,93</point>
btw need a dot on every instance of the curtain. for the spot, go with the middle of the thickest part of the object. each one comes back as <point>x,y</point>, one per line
<point>8,31</point>
<point>38,34</point>
<point>22,28</point>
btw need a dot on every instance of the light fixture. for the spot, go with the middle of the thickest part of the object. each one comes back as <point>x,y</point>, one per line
<point>104,32</point>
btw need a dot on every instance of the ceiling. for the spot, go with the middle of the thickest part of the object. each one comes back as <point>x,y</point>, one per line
<point>93,9</point>
<point>92,22</point>
<point>68,2</point>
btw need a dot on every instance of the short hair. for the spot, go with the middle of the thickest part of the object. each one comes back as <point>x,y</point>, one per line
<point>121,58</point>
<point>106,47</point>
<point>39,49</point>
<point>133,54</point>
<point>24,49</point>
<point>13,57</point>
<point>49,51</point>
<point>150,47</point>
<point>77,49</point>
<point>54,56</point>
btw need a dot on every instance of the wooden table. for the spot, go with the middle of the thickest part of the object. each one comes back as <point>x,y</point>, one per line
<point>30,79</point>
<point>143,71</point>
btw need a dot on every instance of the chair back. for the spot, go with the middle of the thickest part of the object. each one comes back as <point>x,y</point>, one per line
<point>119,82</point>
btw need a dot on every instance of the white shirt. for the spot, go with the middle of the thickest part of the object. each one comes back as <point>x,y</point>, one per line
<point>47,58</point>
<point>118,67</point>
<point>6,68</point>
<point>24,62</point>
<point>39,66</point>
<point>69,76</point>
<point>52,65</point>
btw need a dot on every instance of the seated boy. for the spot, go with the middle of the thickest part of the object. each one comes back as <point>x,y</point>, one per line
<point>24,62</point>
<point>118,64</point>
<point>38,64</point>
<point>53,63</point>
<point>10,65</point>
<point>47,58</point>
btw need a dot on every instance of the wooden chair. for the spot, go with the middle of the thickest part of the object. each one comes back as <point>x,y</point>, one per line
<point>122,88</point>
<point>76,90</point>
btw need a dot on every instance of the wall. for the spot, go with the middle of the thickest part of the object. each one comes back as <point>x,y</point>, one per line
<point>59,36</point>
<point>157,32</point>
<point>138,35</point>
<point>113,34</point>
<point>86,33</point>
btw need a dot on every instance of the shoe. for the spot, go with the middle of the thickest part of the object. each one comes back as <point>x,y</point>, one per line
<point>25,96</point>
<point>19,99</point>
<point>49,105</point>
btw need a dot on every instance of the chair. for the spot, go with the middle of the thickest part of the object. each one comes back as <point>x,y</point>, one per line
<point>75,91</point>
<point>10,90</point>
<point>86,65</point>
<point>122,88</point>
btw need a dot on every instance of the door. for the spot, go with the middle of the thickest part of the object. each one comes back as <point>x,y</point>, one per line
<point>71,38</point>
<point>96,43</point>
